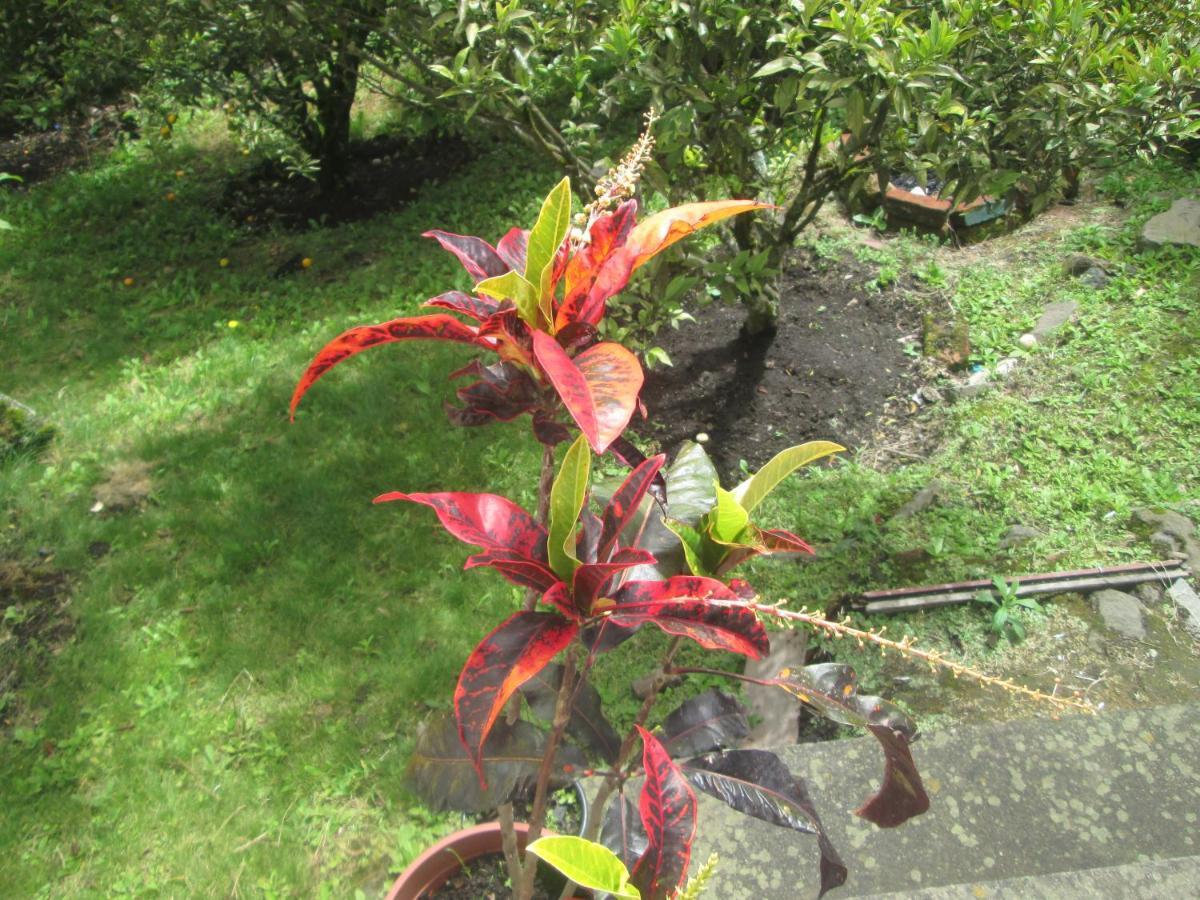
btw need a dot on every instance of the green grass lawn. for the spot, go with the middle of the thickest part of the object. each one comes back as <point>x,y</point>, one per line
<point>251,659</point>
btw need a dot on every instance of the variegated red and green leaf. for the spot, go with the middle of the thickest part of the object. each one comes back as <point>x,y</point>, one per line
<point>605,237</point>
<point>599,387</point>
<point>590,578</point>
<point>509,336</point>
<point>503,392</point>
<point>765,543</point>
<point>668,810</point>
<point>437,327</point>
<point>486,520</point>
<point>659,231</point>
<point>513,248</point>
<point>477,307</point>
<point>623,505</point>
<point>520,570</point>
<point>682,606</point>
<point>477,256</point>
<point>518,649</point>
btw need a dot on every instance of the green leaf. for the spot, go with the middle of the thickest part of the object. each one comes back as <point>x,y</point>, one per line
<point>544,240</point>
<point>855,113</point>
<point>776,65</point>
<point>511,286</point>
<point>752,491</point>
<point>566,502</point>
<point>692,542</point>
<point>691,484</point>
<point>729,519</point>
<point>588,864</point>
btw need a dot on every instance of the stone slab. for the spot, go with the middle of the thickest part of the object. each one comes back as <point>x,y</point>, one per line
<point>1121,612</point>
<point>1054,317</point>
<point>1009,800</point>
<point>1179,226</point>
<point>1186,600</point>
<point>1152,880</point>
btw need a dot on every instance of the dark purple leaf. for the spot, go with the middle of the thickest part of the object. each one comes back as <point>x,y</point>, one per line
<point>477,307</point>
<point>623,504</point>
<point>758,784</point>
<point>713,720</point>
<point>590,579</point>
<point>477,256</point>
<point>587,725</point>
<point>832,690</point>
<point>623,832</point>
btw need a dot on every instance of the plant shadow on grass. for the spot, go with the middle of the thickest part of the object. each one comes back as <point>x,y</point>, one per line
<point>259,609</point>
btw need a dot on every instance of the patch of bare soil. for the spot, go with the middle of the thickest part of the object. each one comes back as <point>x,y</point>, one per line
<point>384,173</point>
<point>834,369</point>
<point>35,622</point>
<point>41,155</point>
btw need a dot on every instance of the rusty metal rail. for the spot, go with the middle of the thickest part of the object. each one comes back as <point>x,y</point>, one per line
<point>1078,581</point>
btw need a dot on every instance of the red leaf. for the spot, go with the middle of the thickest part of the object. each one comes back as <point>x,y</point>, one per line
<point>668,809</point>
<point>768,542</point>
<point>606,236</point>
<point>478,257</point>
<point>614,378</point>
<point>902,794</point>
<point>438,327</point>
<point>599,387</point>
<point>518,649</point>
<point>485,520</point>
<point>661,230</point>
<point>509,336</point>
<point>624,503</point>
<point>680,606</point>
<point>502,393</point>
<point>513,249</point>
<point>477,307</point>
<point>590,578</point>
<point>520,570</point>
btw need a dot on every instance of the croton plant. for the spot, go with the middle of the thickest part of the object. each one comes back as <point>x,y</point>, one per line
<point>599,564</point>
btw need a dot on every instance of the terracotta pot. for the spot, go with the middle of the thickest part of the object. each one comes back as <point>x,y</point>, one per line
<point>430,870</point>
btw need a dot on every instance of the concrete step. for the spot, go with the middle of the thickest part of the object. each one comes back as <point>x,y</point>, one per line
<point>1164,879</point>
<point>1011,803</point>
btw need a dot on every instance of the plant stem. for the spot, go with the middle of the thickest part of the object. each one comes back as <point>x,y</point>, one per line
<point>545,484</point>
<point>618,777</point>
<point>562,714</point>
<point>508,839</point>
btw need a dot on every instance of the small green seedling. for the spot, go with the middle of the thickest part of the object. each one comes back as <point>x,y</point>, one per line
<point>1006,602</point>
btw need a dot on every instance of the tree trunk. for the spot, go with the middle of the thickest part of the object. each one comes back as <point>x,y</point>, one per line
<point>762,300</point>
<point>335,98</point>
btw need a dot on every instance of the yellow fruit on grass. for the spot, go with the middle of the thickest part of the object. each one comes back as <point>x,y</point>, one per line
<point>234,323</point>
<point>127,281</point>
<point>223,261</point>
<point>172,119</point>
<point>165,131</point>
<point>179,173</point>
<point>306,263</point>
<point>170,196</point>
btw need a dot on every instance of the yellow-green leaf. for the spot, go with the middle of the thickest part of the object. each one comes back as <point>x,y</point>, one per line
<point>566,502</point>
<point>692,542</point>
<point>511,286</point>
<point>588,864</point>
<point>751,491</point>
<point>727,521</point>
<point>544,240</point>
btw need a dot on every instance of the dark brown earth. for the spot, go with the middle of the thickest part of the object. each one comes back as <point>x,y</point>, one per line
<point>835,367</point>
<point>35,623</point>
<point>39,155</point>
<point>384,173</point>
<point>486,878</point>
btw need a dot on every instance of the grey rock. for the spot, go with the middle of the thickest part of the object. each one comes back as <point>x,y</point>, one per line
<point>920,501</point>
<point>1187,602</point>
<point>930,394</point>
<point>1164,542</point>
<point>1006,366</point>
<point>1149,593</point>
<point>779,712</point>
<point>1094,278</point>
<point>1121,613</point>
<point>1054,317</point>
<point>1179,226</point>
<point>1177,526</point>
<point>976,383</point>
<point>1079,264</point>
<point>1017,535</point>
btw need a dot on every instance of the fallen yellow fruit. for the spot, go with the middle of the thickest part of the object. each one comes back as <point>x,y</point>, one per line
<point>170,196</point>
<point>306,263</point>
<point>172,119</point>
<point>223,262</point>
<point>234,323</point>
<point>165,131</point>
<point>179,173</point>
<point>127,281</point>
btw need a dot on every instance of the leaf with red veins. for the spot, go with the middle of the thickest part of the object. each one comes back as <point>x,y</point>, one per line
<point>477,256</point>
<point>658,232</point>
<point>623,505</point>
<point>486,520</point>
<point>513,248</point>
<point>668,809</point>
<point>599,387</point>
<point>478,307</point>
<point>590,578</point>
<point>502,393</point>
<point>605,237</point>
<point>437,327</point>
<point>518,649</point>
<point>508,335</point>
<point>520,570</point>
<point>767,543</point>
<point>614,377</point>
<point>682,606</point>
<point>558,595</point>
